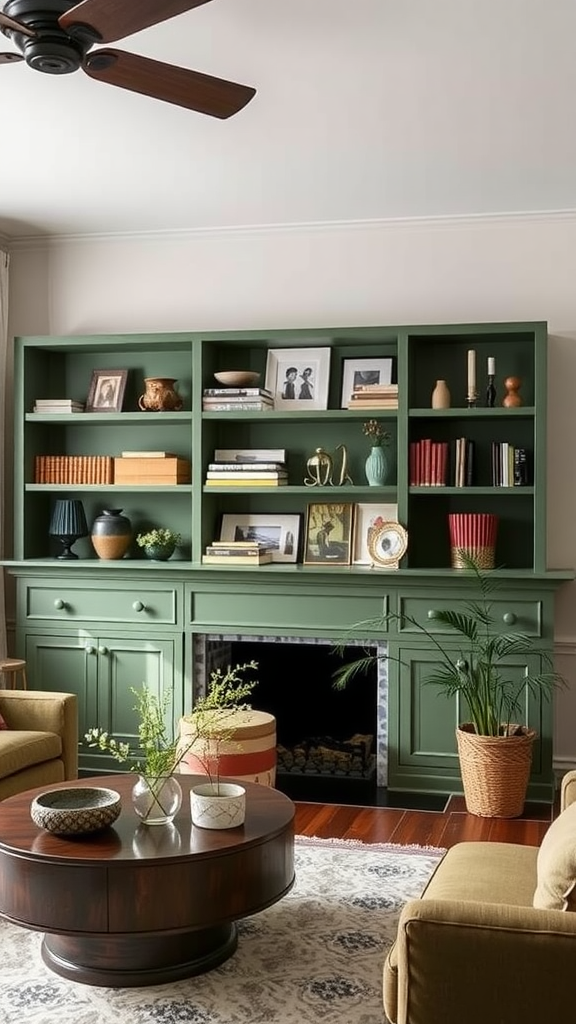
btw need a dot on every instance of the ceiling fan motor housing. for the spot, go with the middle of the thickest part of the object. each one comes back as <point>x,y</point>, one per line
<point>51,50</point>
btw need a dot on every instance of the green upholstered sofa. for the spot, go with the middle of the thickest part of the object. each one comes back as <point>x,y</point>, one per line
<point>40,744</point>
<point>474,949</point>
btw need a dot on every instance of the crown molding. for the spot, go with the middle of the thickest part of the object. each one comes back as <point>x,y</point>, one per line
<point>434,223</point>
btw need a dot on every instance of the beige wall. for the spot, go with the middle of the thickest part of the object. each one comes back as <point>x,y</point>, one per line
<point>436,271</point>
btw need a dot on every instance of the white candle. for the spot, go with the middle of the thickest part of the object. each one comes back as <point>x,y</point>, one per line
<point>491,366</point>
<point>471,370</point>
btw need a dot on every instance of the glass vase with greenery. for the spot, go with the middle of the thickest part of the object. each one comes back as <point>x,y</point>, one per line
<point>159,752</point>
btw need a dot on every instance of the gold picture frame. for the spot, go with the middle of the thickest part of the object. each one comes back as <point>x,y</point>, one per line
<point>328,539</point>
<point>387,544</point>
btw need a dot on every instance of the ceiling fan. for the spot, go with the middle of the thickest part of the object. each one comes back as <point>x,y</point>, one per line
<point>57,36</point>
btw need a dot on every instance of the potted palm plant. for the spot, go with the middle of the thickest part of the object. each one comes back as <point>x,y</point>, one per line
<point>495,752</point>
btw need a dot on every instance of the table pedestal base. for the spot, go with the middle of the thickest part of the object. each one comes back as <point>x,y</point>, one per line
<point>122,961</point>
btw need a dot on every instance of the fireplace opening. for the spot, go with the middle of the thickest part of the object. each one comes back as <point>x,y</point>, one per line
<point>323,735</point>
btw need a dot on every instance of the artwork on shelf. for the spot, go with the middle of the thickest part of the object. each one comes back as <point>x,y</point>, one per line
<point>106,392</point>
<point>357,373</point>
<point>298,377</point>
<point>280,532</point>
<point>368,516</point>
<point>328,538</point>
<point>387,543</point>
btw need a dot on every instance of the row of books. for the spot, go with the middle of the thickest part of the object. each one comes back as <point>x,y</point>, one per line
<point>509,465</point>
<point>374,396</point>
<point>237,399</point>
<point>57,405</point>
<point>73,469</point>
<point>237,552</point>
<point>249,467</point>
<point>429,464</point>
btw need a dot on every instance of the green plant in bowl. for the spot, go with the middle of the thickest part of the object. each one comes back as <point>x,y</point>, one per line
<point>159,544</point>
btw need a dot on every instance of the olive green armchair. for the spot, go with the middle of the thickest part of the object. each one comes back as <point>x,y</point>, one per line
<point>492,940</point>
<point>39,745</point>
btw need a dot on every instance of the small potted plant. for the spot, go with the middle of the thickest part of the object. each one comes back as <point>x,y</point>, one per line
<point>205,735</point>
<point>159,544</point>
<point>376,466</point>
<point>495,752</point>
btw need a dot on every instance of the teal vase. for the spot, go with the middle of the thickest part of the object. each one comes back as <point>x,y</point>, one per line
<point>376,467</point>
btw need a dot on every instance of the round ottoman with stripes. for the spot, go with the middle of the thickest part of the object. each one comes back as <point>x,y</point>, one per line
<point>249,754</point>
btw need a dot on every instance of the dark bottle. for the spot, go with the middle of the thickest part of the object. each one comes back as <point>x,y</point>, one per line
<point>490,392</point>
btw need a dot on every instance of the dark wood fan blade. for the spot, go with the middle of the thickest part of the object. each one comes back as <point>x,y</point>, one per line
<point>16,26</point>
<point>10,58</point>
<point>109,20</point>
<point>191,89</point>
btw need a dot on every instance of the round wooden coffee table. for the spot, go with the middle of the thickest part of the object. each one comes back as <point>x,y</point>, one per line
<point>143,904</point>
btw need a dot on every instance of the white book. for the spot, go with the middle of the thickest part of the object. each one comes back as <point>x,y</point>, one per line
<point>250,455</point>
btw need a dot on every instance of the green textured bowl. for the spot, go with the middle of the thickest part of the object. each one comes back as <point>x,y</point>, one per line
<point>69,812</point>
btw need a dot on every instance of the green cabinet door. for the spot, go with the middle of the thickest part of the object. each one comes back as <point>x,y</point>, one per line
<point>423,722</point>
<point>101,671</point>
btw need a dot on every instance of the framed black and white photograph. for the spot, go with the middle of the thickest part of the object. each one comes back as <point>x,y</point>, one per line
<point>357,373</point>
<point>328,539</point>
<point>280,532</point>
<point>298,377</point>
<point>369,516</point>
<point>106,392</point>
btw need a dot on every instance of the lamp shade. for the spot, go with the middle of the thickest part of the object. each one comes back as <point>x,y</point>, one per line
<point>68,523</point>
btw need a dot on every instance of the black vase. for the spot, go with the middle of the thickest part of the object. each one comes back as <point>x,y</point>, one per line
<point>111,534</point>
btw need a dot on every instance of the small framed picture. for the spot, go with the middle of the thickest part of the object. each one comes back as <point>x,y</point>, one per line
<point>280,532</point>
<point>328,538</point>
<point>387,544</point>
<point>357,373</point>
<point>367,517</point>
<point>106,392</point>
<point>298,377</point>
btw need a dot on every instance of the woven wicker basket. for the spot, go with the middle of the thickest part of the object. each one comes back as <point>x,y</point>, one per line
<point>495,771</point>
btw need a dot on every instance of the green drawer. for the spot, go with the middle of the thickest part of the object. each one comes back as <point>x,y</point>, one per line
<point>127,603</point>
<point>329,614</point>
<point>512,614</point>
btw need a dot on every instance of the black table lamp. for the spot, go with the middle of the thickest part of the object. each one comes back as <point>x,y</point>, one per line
<point>68,524</point>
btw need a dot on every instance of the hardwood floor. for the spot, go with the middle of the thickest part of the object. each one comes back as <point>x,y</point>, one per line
<point>424,828</point>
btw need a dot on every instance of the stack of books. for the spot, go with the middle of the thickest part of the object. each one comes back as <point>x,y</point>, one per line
<point>237,552</point>
<point>246,474</point>
<point>237,399</point>
<point>374,396</point>
<point>54,405</point>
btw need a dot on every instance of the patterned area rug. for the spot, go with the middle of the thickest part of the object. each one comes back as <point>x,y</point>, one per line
<point>314,958</point>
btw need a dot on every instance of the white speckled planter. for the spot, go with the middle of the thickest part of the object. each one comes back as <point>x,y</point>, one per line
<point>214,806</point>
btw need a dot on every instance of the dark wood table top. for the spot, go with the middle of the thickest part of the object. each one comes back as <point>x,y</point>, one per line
<point>268,812</point>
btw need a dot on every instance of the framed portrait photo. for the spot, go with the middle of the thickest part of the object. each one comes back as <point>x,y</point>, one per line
<point>106,392</point>
<point>358,373</point>
<point>280,532</point>
<point>328,539</point>
<point>298,377</point>
<point>369,516</point>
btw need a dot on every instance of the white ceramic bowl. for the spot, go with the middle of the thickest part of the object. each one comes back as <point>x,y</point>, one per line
<point>237,378</point>
<point>75,811</point>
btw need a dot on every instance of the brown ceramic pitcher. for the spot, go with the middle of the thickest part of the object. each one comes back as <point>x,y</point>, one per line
<point>160,395</point>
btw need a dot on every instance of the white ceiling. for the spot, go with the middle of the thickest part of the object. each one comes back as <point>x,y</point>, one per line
<point>365,109</point>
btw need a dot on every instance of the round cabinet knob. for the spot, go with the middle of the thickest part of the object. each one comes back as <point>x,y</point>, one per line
<point>432,613</point>
<point>102,650</point>
<point>59,603</point>
<point>138,606</point>
<point>90,650</point>
<point>509,618</point>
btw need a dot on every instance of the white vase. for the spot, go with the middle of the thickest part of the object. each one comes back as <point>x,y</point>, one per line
<point>441,395</point>
<point>157,801</point>
<point>214,805</point>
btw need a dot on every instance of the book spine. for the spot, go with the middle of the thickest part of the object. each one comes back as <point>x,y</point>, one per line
<point>229,407</point>
<point>236,393</point>
<point>246,467</point>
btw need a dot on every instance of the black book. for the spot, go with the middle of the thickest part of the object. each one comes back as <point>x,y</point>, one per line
<point>521,473</point>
